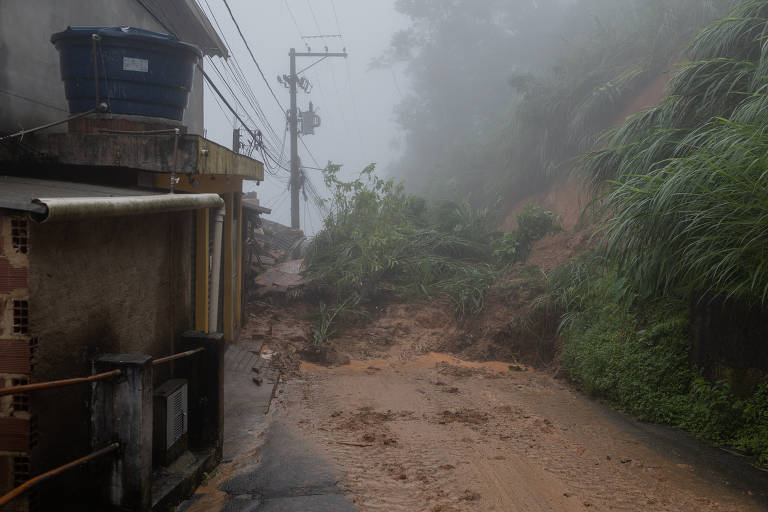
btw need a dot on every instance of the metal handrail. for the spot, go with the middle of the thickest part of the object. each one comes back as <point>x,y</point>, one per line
<point>25,388</point>
<point>26,486</point>
<point>180,355</point>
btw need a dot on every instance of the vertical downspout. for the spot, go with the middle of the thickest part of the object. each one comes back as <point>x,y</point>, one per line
<point>213,309</point>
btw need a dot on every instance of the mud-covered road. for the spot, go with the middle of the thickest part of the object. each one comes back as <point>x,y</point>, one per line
<point>408,429</point>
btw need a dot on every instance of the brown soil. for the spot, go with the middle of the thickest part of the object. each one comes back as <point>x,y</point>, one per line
<point>504,441</point>
<point>415,429</point>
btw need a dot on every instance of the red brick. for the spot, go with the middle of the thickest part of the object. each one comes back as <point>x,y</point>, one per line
<point>14,435</point>
<point>15,357</point>
<point>12,278</point>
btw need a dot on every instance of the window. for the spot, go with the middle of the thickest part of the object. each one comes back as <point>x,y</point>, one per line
<point>20,317</point>
<point>20,401</point>
<point>20,236</point>
<point>20,470</point>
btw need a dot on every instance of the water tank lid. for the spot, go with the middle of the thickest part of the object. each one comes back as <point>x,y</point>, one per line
<point>128,33</point>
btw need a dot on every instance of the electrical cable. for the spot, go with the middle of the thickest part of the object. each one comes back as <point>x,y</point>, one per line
<point>301,139</point>
<point>52,107</point>
<point>231,15</point>
<point>233,64</point>
<point>295,23</point>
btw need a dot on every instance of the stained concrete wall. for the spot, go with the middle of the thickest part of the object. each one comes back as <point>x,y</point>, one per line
<point>119,285</point>
<point>31,90</point>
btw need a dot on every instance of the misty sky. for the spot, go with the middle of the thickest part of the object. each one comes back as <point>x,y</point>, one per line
<point>355,102</point>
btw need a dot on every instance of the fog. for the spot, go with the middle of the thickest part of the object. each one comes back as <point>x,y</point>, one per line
<point>355,101</point>
<point>464,100</point>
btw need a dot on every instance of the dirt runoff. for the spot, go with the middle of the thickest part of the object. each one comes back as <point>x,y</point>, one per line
<point>417,430</point>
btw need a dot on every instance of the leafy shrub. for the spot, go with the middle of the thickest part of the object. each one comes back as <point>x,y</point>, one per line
<point>533,224</point>
<point>378,241</point>
<point>634,353</point>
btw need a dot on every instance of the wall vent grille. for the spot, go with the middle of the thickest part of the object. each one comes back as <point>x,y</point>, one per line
<point>177,416</point>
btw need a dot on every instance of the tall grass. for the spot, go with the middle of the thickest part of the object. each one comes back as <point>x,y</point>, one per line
<point>687,185</point>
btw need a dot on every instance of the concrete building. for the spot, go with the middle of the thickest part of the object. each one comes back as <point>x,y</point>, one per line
<point>125,281</point>
<point>96,280</point>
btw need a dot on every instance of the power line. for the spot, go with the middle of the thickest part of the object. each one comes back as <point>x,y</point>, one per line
<point>314,17</point>
<point>231,15</point>
<point>301,139</point>
<point>237,72</point>
<point>295,23</point>
<point>223,111</point>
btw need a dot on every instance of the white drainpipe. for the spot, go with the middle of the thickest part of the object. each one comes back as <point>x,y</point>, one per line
<point>213,309</point>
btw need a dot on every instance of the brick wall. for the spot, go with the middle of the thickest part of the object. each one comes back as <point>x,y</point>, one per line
<point>16,351</point>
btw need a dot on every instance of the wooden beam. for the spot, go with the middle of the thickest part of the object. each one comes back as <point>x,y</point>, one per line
<point>202,265</point>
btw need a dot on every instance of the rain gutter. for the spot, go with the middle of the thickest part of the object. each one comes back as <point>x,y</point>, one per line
<point>81,208</point>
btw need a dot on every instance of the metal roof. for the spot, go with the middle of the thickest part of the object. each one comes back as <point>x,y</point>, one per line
<point>48,200</point>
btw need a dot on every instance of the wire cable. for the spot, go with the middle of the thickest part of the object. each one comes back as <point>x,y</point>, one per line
<point>295,23</point>
<point>237,25</point>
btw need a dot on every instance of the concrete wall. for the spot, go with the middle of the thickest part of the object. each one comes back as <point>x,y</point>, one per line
<point>118,285</point>
<point>31,90</point>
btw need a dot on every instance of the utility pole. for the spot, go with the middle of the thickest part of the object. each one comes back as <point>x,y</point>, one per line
<point>294,121</point>
<point>293,82</point>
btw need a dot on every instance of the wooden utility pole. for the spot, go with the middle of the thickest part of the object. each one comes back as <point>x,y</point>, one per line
<point>293,119</point>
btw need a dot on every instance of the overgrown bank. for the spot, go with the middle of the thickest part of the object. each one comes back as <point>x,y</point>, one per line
<point>686,202</point>
<point>378,243</point>
<point>636,354</point>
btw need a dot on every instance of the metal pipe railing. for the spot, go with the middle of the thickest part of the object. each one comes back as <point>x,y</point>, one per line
<point>26,486</point>
<point>180,355</point>
<point>25,388</point>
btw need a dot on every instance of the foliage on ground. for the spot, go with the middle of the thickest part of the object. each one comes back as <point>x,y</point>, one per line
<point>378,242</point>
<point>634,353</point>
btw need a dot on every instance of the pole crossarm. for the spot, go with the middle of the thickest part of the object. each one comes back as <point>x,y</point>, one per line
<point>321,54</point>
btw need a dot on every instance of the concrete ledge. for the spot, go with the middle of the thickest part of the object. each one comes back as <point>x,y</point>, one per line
<point>173,484</point>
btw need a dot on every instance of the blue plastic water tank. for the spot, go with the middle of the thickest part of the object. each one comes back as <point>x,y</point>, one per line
<point>139,72</point>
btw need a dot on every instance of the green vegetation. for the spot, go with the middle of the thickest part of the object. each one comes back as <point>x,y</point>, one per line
<point>533,223</point>
<point>378,242</point>
<point>685,196</point>
<point>683,187</point>
<point>688,192</point>
<point>635,355</point>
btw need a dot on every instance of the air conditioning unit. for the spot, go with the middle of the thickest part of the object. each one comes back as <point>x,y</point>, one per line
<point>171,421</point>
